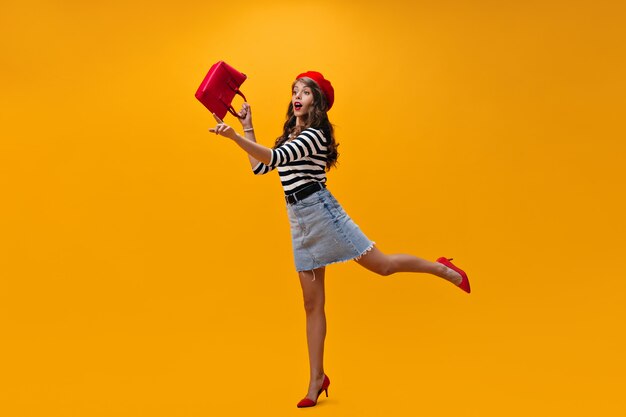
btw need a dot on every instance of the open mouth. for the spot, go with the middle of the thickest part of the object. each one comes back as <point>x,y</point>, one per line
<point>297,105</point>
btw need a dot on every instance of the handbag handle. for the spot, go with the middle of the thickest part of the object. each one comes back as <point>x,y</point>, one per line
<point>229,107</point>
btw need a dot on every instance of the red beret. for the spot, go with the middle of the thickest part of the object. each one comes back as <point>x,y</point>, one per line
<point>325,85</point>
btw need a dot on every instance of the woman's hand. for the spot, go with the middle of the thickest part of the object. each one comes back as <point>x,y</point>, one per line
<point>245,116</point>
<point>256,152</point>
<point>223,129</point>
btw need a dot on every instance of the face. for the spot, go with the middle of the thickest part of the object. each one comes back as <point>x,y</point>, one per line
<point>301,99</point>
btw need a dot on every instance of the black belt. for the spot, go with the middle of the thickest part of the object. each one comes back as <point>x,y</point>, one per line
<point>303,193</point>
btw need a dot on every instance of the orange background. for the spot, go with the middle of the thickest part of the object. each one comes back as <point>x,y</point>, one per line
<point>144,271</point>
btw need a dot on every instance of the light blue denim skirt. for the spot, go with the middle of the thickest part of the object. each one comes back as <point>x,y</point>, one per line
<point>322,233</point>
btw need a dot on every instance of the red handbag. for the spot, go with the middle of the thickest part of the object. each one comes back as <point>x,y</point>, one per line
<point>219,88</point>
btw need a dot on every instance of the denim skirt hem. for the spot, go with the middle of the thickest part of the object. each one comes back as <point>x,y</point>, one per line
<point>323,234</point>
<point>356,258</point>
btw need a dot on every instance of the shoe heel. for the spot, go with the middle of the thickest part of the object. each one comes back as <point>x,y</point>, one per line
<point>326,390</point>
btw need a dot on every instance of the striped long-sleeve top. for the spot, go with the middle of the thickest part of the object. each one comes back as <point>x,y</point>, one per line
<point>300,161</point>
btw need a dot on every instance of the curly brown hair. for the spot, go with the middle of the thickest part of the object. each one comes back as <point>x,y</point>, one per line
<point>316,118</point>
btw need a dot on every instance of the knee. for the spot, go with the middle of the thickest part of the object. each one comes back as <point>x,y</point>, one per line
<point>385,271</point>
<point>379,263</point>
<point>385,268</point>
<point>313,304</point>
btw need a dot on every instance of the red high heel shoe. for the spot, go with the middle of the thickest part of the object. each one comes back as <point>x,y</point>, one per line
<point>464,285</point>
<point>307,402</point>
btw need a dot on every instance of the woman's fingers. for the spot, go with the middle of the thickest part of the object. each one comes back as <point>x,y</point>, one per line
<point>217,119</point>
<point>222,129</point>
<point>225,130</point>
<point>244,111</point>
<point>217,129</point>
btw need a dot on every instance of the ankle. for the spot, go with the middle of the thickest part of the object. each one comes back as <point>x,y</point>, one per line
<point>317,376</point>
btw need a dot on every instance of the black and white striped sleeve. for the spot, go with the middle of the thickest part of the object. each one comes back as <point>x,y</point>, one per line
<point>308,143</point>
<point>261,169</point>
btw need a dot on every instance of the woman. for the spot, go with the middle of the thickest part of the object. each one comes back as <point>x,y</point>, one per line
<point>322,233</point>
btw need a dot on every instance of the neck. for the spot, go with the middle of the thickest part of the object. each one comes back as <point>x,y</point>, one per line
<point>301,121</point>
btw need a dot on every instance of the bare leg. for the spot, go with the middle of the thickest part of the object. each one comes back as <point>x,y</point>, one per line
<point>314,297</point>
<point>383,264</point>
